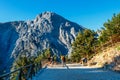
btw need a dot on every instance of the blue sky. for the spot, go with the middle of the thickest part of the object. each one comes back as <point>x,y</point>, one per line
<point>88,13</point>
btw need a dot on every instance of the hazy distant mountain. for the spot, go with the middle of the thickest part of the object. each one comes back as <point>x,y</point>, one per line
<point>47,30</point>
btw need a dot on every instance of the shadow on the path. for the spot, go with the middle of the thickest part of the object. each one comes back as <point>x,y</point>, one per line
<point>71,73</point>
<point>114,65</point>
<point>78,74</point>
<point>42,70</point>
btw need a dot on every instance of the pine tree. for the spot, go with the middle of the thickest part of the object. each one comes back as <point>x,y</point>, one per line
<point>111,31</point>
<point>83,46</point>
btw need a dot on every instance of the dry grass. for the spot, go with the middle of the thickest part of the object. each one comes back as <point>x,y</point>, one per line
<point>107,56</point>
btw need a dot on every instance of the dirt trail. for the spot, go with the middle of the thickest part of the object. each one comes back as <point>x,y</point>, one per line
<point>75,72</point>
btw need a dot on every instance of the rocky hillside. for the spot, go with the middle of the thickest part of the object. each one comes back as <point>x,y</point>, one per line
<point>47,30</point>
<point>109,58</point>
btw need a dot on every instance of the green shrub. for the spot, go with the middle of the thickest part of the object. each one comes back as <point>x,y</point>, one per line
<point>118,48</point>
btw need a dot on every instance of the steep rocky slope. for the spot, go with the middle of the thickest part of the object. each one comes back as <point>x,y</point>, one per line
<point>47,30</point>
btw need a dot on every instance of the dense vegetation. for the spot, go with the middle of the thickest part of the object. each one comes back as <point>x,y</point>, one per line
<point>89,42</point>
<point>111,30</point>
<point>84,44</point>
<point>23,60</point>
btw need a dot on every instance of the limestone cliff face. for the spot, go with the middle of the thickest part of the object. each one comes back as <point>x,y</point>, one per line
<point>47,30</point>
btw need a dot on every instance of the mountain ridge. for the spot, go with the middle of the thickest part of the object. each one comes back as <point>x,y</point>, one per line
<point>47,30</point>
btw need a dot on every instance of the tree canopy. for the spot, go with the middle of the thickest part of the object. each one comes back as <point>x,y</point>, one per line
<point>85,42</point>
<point>111,30</point>
<point>83,45</point>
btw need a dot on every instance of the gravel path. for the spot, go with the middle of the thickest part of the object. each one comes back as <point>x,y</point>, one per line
<point>75,72</point>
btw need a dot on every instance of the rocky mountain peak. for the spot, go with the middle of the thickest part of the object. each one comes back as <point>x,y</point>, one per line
<point>47,30</point>
<point>45,15</point>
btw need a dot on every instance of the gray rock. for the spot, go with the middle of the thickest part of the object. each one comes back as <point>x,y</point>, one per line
<point>47,30</point>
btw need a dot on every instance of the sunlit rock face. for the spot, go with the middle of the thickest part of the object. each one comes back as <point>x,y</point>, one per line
<point>47,30</point>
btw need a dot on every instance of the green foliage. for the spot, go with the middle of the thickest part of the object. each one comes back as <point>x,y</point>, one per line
<point>113,25</point>
<point>44,54</point>
<point>23,60</point>
<point>68,60</point>
<point>75,57</point>
<point>118,48</point>
<point>38,59</point>
<point>111,30</point>
<point>83,45</point>
<point>104,37</point>
<point>55,57</point>
<point>47,53</point>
